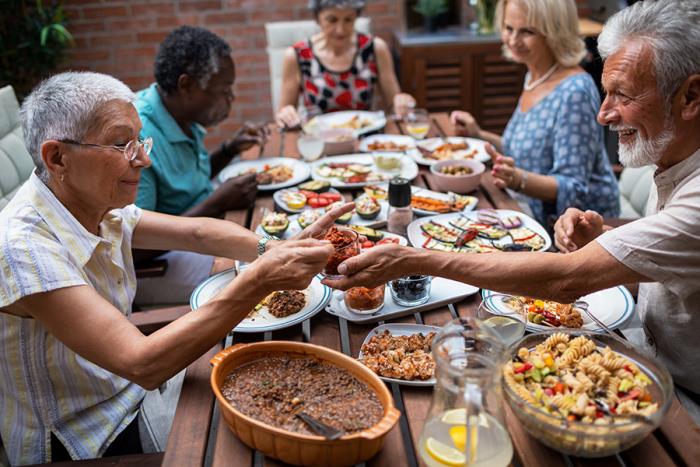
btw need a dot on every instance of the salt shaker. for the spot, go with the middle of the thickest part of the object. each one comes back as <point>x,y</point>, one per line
<point>400,212</point>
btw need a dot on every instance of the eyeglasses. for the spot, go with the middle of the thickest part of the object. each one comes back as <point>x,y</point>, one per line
<point>130,149</point>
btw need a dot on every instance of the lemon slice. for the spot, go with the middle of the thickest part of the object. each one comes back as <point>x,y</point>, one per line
<point>455,417</point>
<point>496,321</point>
<point>458,433</point>
<point>443,453</point>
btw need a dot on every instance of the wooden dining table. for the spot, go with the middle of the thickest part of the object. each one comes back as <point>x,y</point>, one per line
<point>199,436</point>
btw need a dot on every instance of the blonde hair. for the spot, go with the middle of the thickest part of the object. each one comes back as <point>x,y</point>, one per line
<point>557,20</point>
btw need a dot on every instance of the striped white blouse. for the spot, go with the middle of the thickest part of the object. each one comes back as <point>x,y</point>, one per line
<point>44,386</point>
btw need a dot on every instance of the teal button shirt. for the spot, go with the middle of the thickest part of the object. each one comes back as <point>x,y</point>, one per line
<point>180,175</point>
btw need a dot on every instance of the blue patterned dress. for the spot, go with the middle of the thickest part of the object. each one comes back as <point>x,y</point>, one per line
<point>560,137</point>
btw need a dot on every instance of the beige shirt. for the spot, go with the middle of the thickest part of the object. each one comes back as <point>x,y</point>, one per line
<point>665,247</point>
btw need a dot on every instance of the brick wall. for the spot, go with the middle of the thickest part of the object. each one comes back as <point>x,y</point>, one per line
<point>121,38</point>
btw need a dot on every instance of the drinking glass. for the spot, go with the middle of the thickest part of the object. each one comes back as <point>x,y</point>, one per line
<point>505,315</point>
<point>465,423</point>
<point>347,244</point>
<point>417,123</point>
<point>310,146</point>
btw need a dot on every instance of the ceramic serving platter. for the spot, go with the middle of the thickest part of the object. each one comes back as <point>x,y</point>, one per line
<point>409,170</point>
<point>401,329</point>
<point>442,292</point>
<point>278,196</point>
<point>404,143</point>
<point>611,306</point>
<point>360,121</point>
<point>418,191</point>
<point>301,171</point>
<point>476,149</point>
<point>317,297</point>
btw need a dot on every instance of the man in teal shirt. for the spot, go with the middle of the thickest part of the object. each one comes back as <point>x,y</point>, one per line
<point>194,75</point>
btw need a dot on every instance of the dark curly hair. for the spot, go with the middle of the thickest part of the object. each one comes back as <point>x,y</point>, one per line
<point>189,50</point>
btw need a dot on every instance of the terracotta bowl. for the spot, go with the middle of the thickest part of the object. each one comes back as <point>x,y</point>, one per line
<point>457,183</point>
<point>297,448</point>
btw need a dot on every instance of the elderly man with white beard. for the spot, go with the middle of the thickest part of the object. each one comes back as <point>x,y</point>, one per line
<point>652,79</point>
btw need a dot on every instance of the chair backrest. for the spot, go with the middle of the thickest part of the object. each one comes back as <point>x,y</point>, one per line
<point>16,164</point>
<point>283,34</point>
<point>635,184</point>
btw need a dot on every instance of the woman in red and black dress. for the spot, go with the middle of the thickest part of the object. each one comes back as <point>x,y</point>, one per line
<point>338,68</point>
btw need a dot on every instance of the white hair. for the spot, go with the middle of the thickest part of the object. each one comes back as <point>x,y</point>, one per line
<point>61,107</point>
<point>672,30</point>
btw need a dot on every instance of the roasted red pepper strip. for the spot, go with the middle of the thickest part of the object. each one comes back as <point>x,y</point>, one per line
<point>466,237</point>
<point>524,238</point>
<point>526,366</point>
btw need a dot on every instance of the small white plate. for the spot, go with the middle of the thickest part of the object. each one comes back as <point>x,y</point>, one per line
<point>611,306</point>
<point>417,237</point>
<point>442,292</point>
<point>277,196</point>
<point>294,228</point>
<point>317,296</point>
<point>402,140</point>
<point>376,121</point>
<point>418,191</point>
<point>409,169</point>
<point>431,144</point>
<point>400,329</point>
<point>301,171</point>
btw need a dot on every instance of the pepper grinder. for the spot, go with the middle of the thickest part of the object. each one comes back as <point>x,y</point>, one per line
<point>400,211</point>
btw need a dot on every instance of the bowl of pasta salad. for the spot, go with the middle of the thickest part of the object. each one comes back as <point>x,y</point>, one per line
<point>585,394</point>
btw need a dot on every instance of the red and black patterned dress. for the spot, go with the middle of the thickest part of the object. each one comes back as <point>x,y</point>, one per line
<point>329,90</point>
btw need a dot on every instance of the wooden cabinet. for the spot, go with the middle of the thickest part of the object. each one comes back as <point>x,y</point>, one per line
<point>451,70</point>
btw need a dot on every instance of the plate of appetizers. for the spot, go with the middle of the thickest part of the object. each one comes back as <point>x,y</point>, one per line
<point>310,195</point>
<point>278,310</point>
<point>433,150</point>
<point>358,170</point>
<point>430,203</point>
<point>387,143</point>
<point>360,121</point>
<point>272,173</point>
<point>400,353</point>
<point>482,231</point>
<point>611,306</point>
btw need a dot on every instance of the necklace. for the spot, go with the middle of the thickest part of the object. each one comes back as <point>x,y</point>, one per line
<point>533,84</point>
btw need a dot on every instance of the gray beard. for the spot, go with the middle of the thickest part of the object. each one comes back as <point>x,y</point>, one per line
<point>641,152</point>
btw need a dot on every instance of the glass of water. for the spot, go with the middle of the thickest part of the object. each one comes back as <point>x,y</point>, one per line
<point>505,315</point>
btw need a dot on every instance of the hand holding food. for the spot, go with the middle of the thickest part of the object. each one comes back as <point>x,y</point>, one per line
<point>287,117</point>
<point>319,228</point>
<point>373,267</point>
<point>465,124</point>
<point>247,136</point>
<point>575,228</point>
<point>503,171</point>
<point>235,193</point>
<point>290,265</point>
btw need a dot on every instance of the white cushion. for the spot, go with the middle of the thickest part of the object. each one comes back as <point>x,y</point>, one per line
<point>283,34</point>
<point>635,185</point>
<point>16,164</point>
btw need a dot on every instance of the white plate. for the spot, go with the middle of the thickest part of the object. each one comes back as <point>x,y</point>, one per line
<point>409,169</point>
<point>317,296</point>
<point>417,237</point>
<point>407,141</point>
<point>431,144</point>
<point>400,329</point>
<point>418,191</point>
<point>611,306</point>
<point>442,292</point>
<point>277,196</point>
<point>377,121</point>
<point>294,228</point>
<point>301,171</point>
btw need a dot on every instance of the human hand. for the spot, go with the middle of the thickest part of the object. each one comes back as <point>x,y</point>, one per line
<point>503,170</point>
<point>247,136</point>
<point>235,193</point>
<point>465,124</point>
<point>291,265</point>
<point>373,267</point>
<point>288,117</point>
<point>575,228</point>
<point>319,228</point>
<point>403,103</point>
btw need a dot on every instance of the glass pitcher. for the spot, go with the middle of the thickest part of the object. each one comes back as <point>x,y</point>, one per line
<point>465,423</point>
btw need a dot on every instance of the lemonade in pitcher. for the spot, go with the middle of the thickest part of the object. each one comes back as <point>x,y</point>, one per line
<point>465,422</point>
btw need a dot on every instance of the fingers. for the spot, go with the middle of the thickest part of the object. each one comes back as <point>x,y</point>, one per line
<point>288,117</point>
<point>491,151</point>
<point>318,229</point>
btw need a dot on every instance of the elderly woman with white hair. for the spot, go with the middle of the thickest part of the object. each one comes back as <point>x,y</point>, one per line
<point>552,150</point>
<point>75,371</point>
<point>338,68</point>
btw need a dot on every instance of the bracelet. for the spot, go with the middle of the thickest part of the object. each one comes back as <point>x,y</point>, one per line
<point>523,180</point>
<point>262,244</point>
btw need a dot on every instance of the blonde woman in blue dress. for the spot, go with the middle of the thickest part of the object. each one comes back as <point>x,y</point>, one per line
<point>552,150</point>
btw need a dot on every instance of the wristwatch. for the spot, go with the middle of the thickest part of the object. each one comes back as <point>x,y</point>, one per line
<point>262,244</point>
